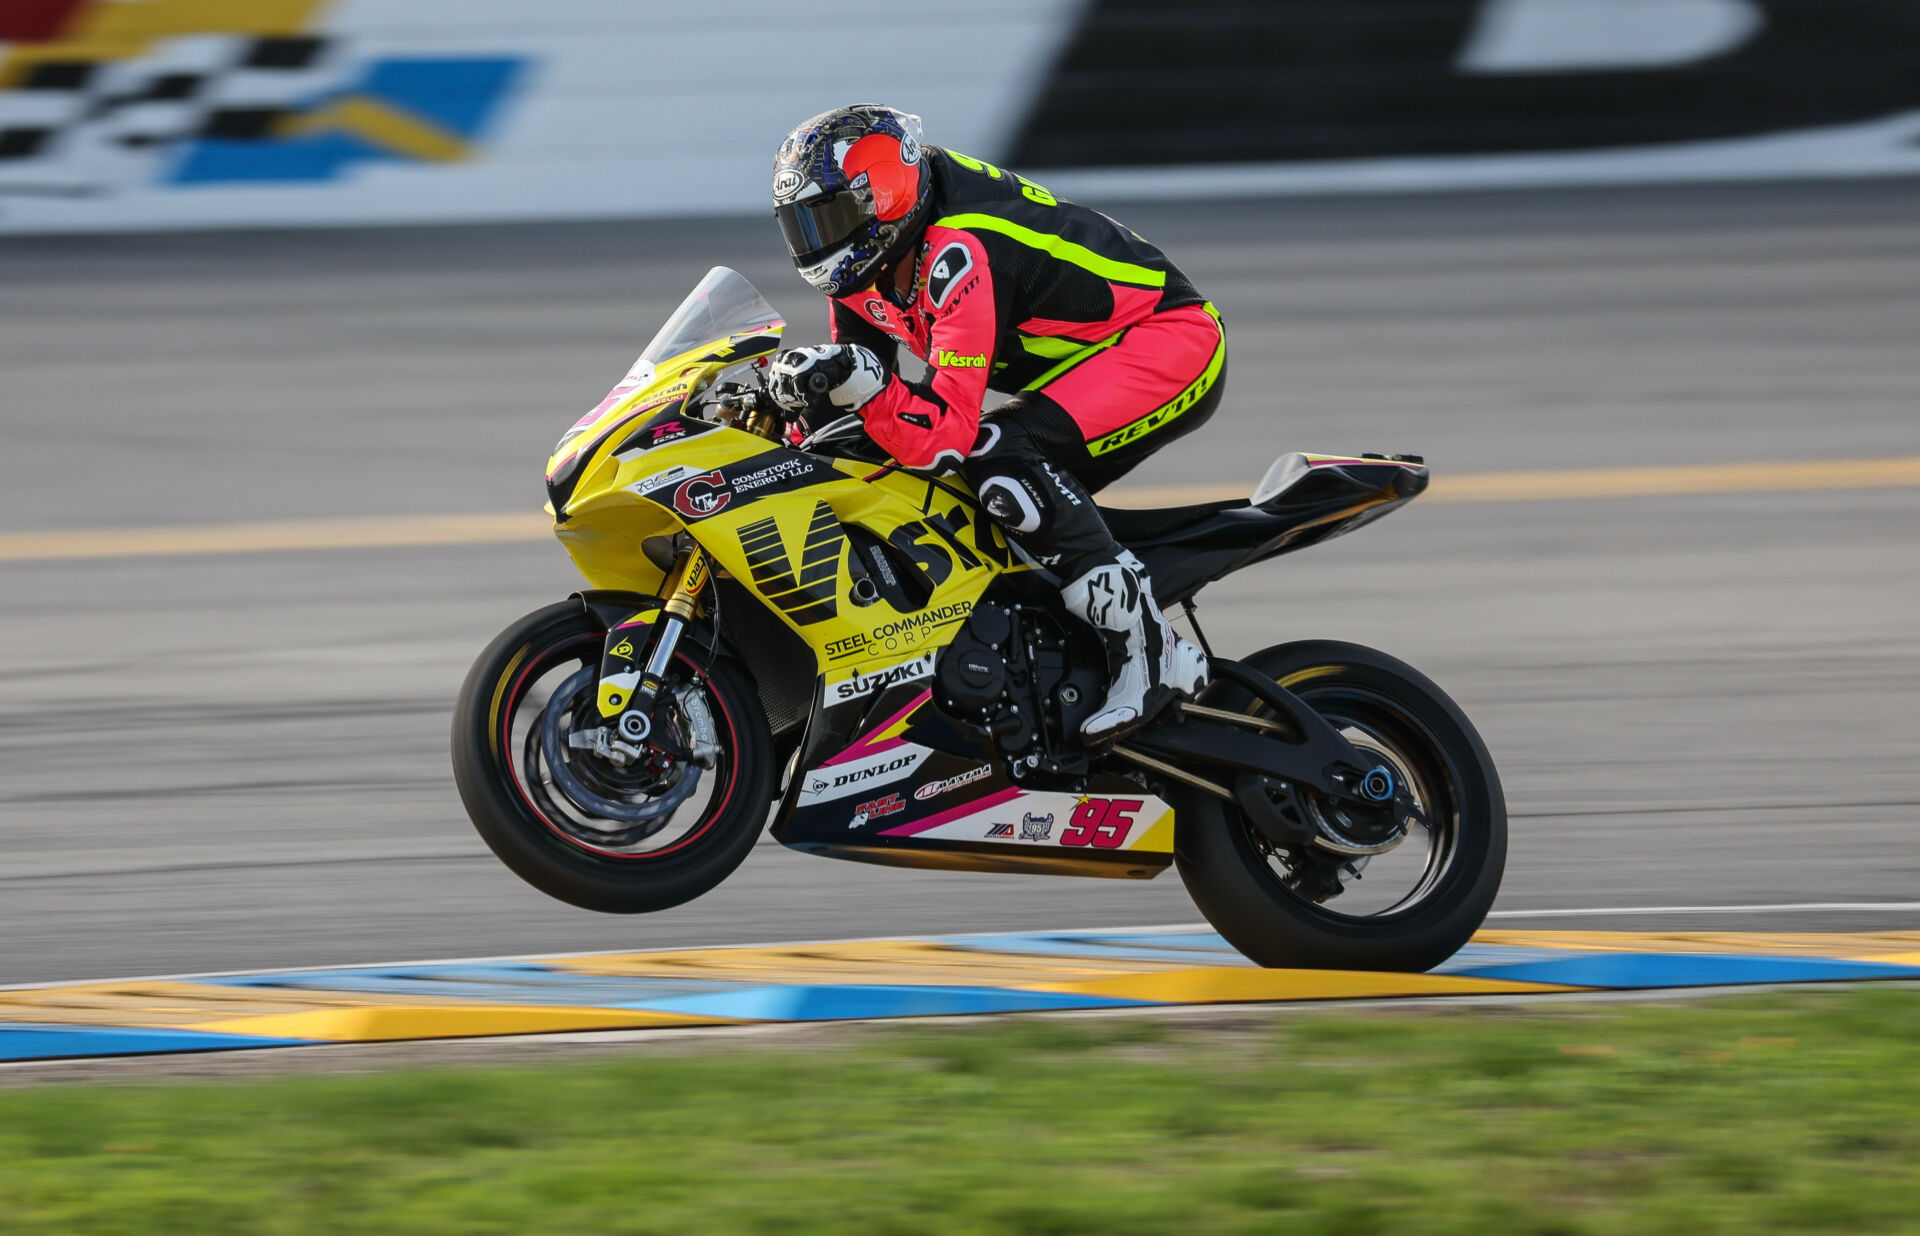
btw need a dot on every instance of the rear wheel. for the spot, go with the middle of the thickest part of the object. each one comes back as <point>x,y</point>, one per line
<point>630,837</point>
<point>1398,889</point>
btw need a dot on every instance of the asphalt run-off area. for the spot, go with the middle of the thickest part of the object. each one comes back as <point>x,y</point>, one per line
<point>266,496</point>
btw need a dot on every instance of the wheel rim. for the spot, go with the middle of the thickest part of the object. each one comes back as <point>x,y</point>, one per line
<point>531,691</point>
<point>1391,885</point>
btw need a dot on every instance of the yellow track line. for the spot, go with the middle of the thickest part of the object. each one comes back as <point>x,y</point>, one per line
<point>403,531</point>
<point>281,535</point>
<point>1565,484</point>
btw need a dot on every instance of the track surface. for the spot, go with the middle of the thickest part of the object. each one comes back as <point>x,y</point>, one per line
<point>240,761</point>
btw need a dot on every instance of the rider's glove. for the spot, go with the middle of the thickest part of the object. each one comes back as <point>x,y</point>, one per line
<point>830,379</point>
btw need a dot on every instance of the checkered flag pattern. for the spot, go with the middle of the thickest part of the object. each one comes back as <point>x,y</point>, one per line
<point>79,126</point>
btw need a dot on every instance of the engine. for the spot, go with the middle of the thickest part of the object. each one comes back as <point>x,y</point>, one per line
<point>1021,677</point>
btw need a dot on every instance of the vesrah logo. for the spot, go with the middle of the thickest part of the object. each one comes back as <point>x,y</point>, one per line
<point>954,360</point>
<point>806,593</point>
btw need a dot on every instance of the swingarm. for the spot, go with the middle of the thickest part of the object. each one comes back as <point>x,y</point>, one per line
<point>1265,759</point>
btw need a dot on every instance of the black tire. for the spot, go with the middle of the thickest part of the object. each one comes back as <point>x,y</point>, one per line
<point>564,864</point>
<point>1240,882</point>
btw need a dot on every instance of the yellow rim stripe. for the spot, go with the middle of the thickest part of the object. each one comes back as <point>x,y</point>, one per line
<point>499,692</point>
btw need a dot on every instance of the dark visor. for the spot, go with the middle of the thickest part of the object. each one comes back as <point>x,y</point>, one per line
<point>818,226</point>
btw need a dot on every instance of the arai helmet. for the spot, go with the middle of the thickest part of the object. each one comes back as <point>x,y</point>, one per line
<point>850,190</point>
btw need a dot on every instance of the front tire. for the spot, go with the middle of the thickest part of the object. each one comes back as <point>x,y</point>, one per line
<point>1273,905</point>
<point>526,819</point>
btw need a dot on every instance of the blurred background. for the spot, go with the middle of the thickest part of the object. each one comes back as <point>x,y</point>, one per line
<point>295,296</point>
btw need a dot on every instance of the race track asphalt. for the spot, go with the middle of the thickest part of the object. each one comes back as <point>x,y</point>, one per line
<point>230,761</point>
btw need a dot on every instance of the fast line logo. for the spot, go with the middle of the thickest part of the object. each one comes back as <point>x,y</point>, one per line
<point>873,810</point>
<point>807,595</point>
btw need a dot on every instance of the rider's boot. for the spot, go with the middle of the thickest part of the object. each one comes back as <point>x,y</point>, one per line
<point>1148,663</point>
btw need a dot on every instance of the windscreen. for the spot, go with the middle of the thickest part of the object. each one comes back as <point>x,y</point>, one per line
<point>723,304</point>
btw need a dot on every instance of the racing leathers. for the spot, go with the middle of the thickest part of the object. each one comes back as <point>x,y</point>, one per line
<point>1109,353</point>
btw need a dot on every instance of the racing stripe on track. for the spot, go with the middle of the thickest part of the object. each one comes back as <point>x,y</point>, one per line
<point>867,979</point>
<point>416,531</point>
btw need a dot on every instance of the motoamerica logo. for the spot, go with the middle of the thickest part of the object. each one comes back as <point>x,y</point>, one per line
<point>860,683</point>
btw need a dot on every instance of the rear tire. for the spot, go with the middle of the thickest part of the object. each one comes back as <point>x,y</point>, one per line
<point>1241,883</point>
<point>549,850</point>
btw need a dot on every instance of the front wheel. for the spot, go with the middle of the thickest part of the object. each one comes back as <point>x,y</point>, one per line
<point>1435,864</point>
<point>625,837</point>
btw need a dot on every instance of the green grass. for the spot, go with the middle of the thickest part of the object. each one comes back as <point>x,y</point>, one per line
<point>1784,1112</point>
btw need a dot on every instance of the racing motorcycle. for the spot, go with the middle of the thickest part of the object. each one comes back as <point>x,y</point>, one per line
<point>782,620</point>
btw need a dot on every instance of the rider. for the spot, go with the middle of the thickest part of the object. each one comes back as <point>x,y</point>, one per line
<point>1109,352</point>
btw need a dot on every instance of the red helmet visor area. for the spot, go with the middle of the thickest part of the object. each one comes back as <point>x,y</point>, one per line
<point>895,184</point>
<point>816,227</point>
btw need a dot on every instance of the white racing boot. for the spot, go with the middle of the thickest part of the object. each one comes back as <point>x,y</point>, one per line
<point>1148,662</point>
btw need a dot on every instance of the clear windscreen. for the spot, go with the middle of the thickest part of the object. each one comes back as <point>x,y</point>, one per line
<point>721,305</point>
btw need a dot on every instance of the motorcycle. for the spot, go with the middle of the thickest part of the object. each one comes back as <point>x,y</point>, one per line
<point>781,618</point>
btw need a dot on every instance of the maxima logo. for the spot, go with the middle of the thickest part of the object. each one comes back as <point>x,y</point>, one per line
<point>934,789</point>
<point>869,773</point>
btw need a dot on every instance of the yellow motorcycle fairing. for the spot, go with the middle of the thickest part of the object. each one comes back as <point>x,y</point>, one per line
<point>769,516</point>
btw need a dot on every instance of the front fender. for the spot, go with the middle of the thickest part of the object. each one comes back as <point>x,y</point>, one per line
<point>611,607</point>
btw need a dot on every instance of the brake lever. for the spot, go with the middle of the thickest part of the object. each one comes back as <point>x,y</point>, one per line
<point>831,427</point>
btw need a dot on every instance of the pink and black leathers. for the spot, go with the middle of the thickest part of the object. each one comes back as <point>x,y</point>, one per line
<point>1109,351</point>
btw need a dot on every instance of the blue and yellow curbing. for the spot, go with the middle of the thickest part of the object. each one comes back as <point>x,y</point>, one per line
<point>863,979</point>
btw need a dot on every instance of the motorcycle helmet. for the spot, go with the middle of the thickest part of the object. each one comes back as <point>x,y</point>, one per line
<point>850,191</point>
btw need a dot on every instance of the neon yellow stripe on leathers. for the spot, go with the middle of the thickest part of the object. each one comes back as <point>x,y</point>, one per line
<point>1063,249</point>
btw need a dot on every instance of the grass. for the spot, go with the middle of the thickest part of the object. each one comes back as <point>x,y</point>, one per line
<point>1784,1112</point>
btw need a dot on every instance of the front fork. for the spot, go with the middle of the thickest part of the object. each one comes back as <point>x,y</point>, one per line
<point>629,686</point>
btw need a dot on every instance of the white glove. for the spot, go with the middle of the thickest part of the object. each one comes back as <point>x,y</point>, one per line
<point>827,378</point>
